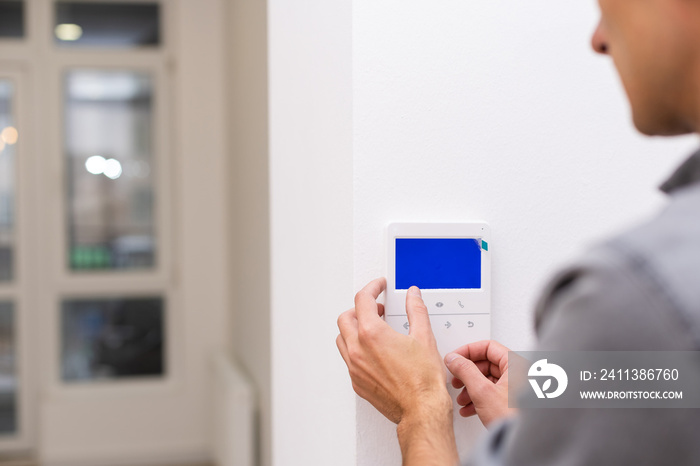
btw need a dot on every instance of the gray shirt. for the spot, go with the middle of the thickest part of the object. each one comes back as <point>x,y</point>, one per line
<point>638,291</point>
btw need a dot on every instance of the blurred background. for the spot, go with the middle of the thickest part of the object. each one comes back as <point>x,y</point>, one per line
<point>191,191</point>
<point>114,290</point>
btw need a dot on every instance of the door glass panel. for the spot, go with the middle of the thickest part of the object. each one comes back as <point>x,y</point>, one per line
<point>103,24</point>
<point>109,158</point>
<point>112,338</point>
<point>8,144</point>
<point>11,19</point>
<point>8,375</point>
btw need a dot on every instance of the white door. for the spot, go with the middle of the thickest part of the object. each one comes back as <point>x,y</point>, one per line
<point>96,362</point>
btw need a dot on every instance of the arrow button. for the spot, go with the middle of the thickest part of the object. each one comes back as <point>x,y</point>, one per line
<point>448,324</point>
<point>405,325</point>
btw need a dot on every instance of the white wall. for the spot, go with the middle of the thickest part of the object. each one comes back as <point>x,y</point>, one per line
<point>310,228</point>
<point>289,95</point>
<point>496,111</point>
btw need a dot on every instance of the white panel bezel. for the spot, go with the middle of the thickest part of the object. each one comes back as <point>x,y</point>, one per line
<point>454,301</point>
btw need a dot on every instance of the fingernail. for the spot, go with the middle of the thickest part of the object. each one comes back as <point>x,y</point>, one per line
<point>450,357</point>
<point>414,291</point>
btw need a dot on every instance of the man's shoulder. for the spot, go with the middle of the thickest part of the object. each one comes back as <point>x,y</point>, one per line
<point>665,251</point>
<point>648,276</point>
<point>674,230</point>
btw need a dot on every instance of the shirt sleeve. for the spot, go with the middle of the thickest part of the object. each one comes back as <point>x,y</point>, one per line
<point>606,302</point>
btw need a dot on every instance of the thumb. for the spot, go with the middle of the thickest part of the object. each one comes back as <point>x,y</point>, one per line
<point>470,375</point>
<point>418,317</point>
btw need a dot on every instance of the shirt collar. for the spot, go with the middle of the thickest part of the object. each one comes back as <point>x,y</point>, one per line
<point>688,173</point>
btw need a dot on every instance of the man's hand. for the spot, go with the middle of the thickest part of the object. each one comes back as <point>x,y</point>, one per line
<point>482,369</point>
<point>396,373</point>
<point>402,376</point>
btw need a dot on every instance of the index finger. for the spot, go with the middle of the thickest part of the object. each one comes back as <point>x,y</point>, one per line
<point>366,299</point>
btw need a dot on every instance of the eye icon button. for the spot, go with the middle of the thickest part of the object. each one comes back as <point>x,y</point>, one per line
<point>439,304</point>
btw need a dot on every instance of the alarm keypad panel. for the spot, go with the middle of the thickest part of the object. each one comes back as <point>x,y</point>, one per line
<point>451,331</point>
<point>451,265</point>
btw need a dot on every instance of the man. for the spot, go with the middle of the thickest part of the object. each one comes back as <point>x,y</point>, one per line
<point>639,291</point>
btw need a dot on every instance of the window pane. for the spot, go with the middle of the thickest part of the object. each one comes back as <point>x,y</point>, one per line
<point>11,18</point>
<point>8,375</point>
<point>110,170</point>
<point>112,338</point>
<point>100,24</point>
<point>8,140</point>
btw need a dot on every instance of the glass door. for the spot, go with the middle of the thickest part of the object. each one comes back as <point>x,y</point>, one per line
<point>9,138</point>
<point>14,301</point>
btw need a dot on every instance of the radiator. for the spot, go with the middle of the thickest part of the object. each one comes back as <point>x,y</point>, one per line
<point>235,437</point>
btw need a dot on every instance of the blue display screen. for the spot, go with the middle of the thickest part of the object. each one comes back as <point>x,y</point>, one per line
<point>438,263</point>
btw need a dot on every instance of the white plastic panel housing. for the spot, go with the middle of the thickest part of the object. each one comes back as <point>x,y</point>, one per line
<point>458,315</point>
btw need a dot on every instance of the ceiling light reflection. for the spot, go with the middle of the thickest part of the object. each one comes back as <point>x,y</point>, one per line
<point>96,164</point>
<point>113,169</point>
<point>69,32</point>
<point>10,135</point>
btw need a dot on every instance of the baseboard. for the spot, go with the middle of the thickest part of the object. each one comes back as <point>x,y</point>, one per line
<point>18,462</point>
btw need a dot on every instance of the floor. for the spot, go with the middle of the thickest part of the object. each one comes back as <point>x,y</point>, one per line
<point>31,463</point>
